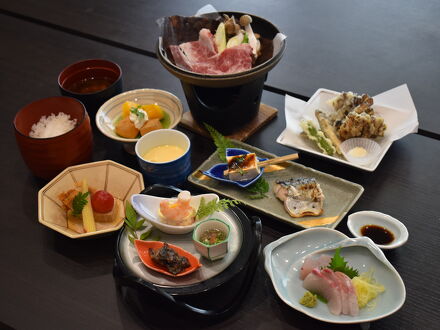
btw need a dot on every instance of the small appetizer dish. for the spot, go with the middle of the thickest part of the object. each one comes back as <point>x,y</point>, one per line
<point>330,277</point>
<point>210,238</point>
<point>88,199</point>
<point>130,115</point>
<point>384,230</point>
<point>177,215</point>
<point>166,258</point>
<point>360,151</point>
<point>241,168</point>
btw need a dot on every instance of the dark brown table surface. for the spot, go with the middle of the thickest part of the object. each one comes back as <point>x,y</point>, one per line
<point>48,281</point>
<point>363,46</point>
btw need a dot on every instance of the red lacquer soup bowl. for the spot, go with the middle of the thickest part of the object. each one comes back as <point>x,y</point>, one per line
<point>46,157</point>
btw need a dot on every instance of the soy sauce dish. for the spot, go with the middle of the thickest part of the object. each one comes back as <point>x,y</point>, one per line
<point>384,230</point>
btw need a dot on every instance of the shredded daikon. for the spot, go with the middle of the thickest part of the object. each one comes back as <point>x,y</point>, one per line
<point>367,289</point>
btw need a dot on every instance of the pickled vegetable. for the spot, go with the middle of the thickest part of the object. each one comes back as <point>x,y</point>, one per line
<point>87,212</point>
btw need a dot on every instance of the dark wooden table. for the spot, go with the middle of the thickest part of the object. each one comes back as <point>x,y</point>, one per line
<point>48,281</point>
<point>364,46</point>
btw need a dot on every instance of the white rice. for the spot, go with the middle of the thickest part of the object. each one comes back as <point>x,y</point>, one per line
<point>52,125</point>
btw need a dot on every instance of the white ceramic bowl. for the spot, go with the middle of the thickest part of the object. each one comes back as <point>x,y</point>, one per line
<point>119,180</point>
<point>215,251</point>
<point>372,148</point>
<point>359,219</point>
<point>148,207</point>
<point>110,111</point>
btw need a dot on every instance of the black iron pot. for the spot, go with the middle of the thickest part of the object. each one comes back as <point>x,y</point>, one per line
<point>226,102</point>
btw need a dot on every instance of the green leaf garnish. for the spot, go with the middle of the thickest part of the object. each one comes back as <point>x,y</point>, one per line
<point>220,142</point>
<point>206,209</point>
<point>132,224</point>
<point>338,264</point>
<point>258,189</point>
<point>78,203</point>
<point>136,111</point>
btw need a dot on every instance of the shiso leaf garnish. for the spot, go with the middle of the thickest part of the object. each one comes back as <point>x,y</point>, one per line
<point>338,264</point>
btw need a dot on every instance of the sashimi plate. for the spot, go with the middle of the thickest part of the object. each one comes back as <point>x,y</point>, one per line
<point>284,258</point>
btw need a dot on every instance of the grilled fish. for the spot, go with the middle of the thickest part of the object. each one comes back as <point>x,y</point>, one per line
<point>301,196</point>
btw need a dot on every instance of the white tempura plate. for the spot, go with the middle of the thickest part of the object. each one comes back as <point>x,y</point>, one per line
<point>284,258</point>
<point>295,139</point>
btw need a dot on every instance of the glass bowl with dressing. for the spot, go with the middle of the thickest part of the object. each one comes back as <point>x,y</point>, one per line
<point>360,151</point>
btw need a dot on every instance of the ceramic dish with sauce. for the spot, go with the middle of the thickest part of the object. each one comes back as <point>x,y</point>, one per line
<point>385,231</point>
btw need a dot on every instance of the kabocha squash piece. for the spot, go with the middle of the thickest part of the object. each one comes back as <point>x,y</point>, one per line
<point>87,212</point>
<point>126,128</point>
<point>126,107</point>
<point>151,125</point>
<point>153,111</point>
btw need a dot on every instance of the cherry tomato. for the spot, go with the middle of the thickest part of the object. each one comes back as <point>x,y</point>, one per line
<point>102,201</point>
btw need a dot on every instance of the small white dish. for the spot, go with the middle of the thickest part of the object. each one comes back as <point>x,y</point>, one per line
<point>359,219</point>
<point>284,258</point>
<point>371,148</point>
<point>148,207</point>
<point>213,251</point>
<point>111,110</point>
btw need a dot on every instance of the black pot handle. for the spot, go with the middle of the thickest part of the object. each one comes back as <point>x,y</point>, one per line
<point>250,267</point>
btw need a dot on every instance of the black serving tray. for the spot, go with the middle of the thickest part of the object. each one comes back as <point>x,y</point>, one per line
<point>215,296</point>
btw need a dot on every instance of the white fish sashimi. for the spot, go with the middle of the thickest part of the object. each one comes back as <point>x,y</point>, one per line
<point>349,293</point>
<point>321,282</point>
<point>314,262</point>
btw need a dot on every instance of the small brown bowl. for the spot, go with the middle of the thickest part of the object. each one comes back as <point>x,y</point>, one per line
<point>46,157</point>
<point>91,81</point>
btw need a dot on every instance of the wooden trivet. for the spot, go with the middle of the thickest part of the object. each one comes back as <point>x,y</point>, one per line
<point>265,115</point>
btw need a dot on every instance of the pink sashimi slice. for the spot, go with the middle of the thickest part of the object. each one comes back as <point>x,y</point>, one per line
<point>311,262</point>
<point>350,301</point>
<point>322,283</point>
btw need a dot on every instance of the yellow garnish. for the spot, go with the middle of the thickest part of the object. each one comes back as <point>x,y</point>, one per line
<point>126,107</point>
<point>153,111</point>
<point>366,288</point>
